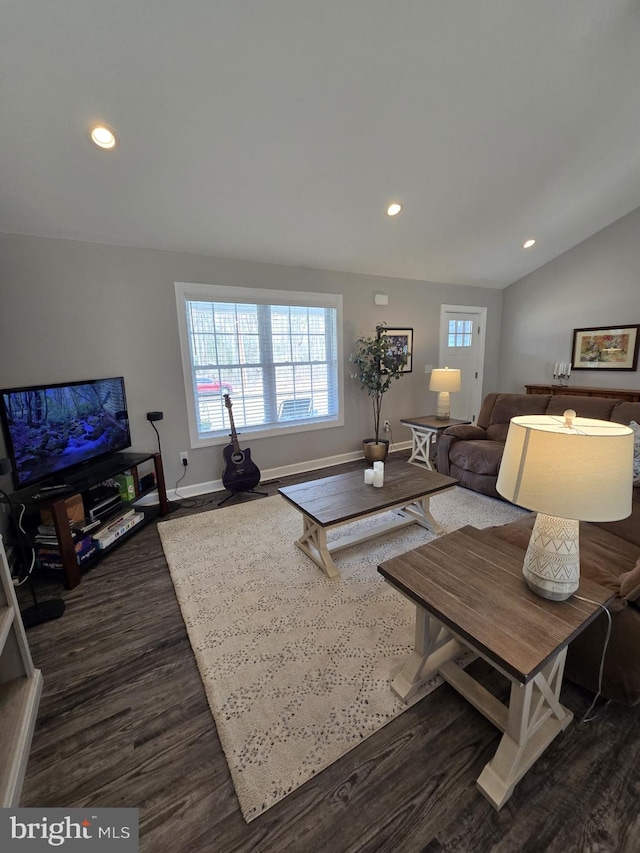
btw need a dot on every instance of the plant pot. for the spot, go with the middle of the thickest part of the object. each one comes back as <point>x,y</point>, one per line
<point>375,451</point>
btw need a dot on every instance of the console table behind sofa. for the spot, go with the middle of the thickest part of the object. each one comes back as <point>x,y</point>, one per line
<point>614,393</point>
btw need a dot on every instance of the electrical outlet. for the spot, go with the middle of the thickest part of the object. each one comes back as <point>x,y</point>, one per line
<point>184,458</point>
<point>386,426</point>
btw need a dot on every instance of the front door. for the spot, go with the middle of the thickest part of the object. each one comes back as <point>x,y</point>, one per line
<point>462,346</point>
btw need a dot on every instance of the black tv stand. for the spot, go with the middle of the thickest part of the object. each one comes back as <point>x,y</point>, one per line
<point>81,483</point>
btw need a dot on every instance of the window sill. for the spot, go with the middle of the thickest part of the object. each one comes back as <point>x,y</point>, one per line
<point>253,433</point>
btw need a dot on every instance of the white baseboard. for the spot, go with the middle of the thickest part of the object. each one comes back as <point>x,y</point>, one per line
<point>268,475</point>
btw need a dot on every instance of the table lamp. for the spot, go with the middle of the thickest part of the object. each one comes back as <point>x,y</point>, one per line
<point>444,380</point>
<point>567,469</point>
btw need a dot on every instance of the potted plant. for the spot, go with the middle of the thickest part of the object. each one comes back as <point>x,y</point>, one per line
<point>376,366</point>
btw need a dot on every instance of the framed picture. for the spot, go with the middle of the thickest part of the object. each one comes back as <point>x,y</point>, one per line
<point>401,341</point>
<point>609,348</point>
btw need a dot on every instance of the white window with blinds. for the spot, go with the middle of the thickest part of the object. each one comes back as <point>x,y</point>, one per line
<point>275,353</point>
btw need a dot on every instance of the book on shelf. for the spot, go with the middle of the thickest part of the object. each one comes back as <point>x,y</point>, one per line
<point>50,529</point>
<point>47,535</point>
<point>53,559</point>
<point>47,532</point>
<point>113,522</point>
<point>45,540</point>
<point>49,556</point>
<point>106,538</point>
<point>85,546</point>
<point>89,524</point>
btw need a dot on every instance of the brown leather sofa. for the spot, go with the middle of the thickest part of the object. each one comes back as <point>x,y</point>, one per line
<point>472,453</point>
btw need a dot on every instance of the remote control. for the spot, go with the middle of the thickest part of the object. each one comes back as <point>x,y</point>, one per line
<point>47,491</point>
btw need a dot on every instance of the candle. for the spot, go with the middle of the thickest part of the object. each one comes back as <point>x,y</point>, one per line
<point>569,370</point>
<point>378,478</point>
<point>368,476</point>
<point>378,466</point>
<point>555,369</point>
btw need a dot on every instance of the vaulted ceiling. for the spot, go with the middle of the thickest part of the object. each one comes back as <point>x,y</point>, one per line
<point>280,130</point>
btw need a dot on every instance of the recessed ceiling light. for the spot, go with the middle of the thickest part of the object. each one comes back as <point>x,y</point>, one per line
<point>528,244</point>
<point>394,209</point>
<point>103,137</point>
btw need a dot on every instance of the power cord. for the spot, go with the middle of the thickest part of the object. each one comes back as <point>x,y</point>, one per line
<point>33,553</point>
<point>40,611</point>
<point>187,503</point>
<point>586,718</point>
<point>179,480</point>
<point>393,448</point>
<point>27,565</point>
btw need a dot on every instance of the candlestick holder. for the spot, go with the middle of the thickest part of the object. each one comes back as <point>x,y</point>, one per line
<point>562,372</point>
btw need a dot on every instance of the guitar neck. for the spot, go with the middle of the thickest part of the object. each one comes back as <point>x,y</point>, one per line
<point>234,434</point>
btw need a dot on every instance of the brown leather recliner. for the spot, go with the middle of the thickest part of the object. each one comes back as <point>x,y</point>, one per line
<point>473,453</point>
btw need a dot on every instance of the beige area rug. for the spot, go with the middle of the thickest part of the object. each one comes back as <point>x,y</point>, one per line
<point>296,667</point>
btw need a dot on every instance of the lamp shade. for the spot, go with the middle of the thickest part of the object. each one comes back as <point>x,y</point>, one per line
<point>570,467</point>
<point>445,379</point>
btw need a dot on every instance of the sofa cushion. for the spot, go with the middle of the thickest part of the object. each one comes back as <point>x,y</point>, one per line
<point>630,583</point>
<point>466,432</point>
<point>604,556</point>
<point>627,528</point>
<point>481,457</point>
<point>600,408</point>
<point>509,406</point>
<point>624,412</point>
<point>498,432</point>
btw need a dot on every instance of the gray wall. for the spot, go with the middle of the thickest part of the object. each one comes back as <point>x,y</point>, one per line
<point>73,310</point>
<point>595,283</point>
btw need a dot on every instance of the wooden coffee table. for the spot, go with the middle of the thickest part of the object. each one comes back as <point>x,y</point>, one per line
<point>469,593</point>
<point>336,501</point>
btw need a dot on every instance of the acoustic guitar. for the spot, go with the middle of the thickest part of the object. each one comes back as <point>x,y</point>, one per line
<point>240,473</point>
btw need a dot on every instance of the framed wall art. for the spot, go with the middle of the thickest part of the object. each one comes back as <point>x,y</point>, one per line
<point>605,348</point>
<point>401,341</point>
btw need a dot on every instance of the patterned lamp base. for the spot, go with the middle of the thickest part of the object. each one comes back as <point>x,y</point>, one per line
<point>444,406</point>
<point>552,563</point>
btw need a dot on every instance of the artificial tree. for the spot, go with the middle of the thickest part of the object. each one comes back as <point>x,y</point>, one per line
<point>376,367</point>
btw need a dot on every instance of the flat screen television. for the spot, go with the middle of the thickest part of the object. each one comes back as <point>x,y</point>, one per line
<point>51,430</point>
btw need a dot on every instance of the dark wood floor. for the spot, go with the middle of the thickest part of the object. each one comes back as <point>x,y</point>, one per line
<point>124,722</point>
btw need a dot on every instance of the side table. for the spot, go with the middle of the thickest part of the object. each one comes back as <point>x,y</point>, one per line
<point>470,594</point>
<point>424,433</point>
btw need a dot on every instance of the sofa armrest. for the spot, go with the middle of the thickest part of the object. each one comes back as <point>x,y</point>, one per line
<point>465,432</point>
<point>462,432</point>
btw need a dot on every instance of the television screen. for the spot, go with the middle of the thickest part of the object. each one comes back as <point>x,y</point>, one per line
<point>52,429</point>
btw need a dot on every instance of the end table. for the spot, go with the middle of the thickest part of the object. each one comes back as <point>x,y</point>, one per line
<point>424,433</point>
<point>469,593</point>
